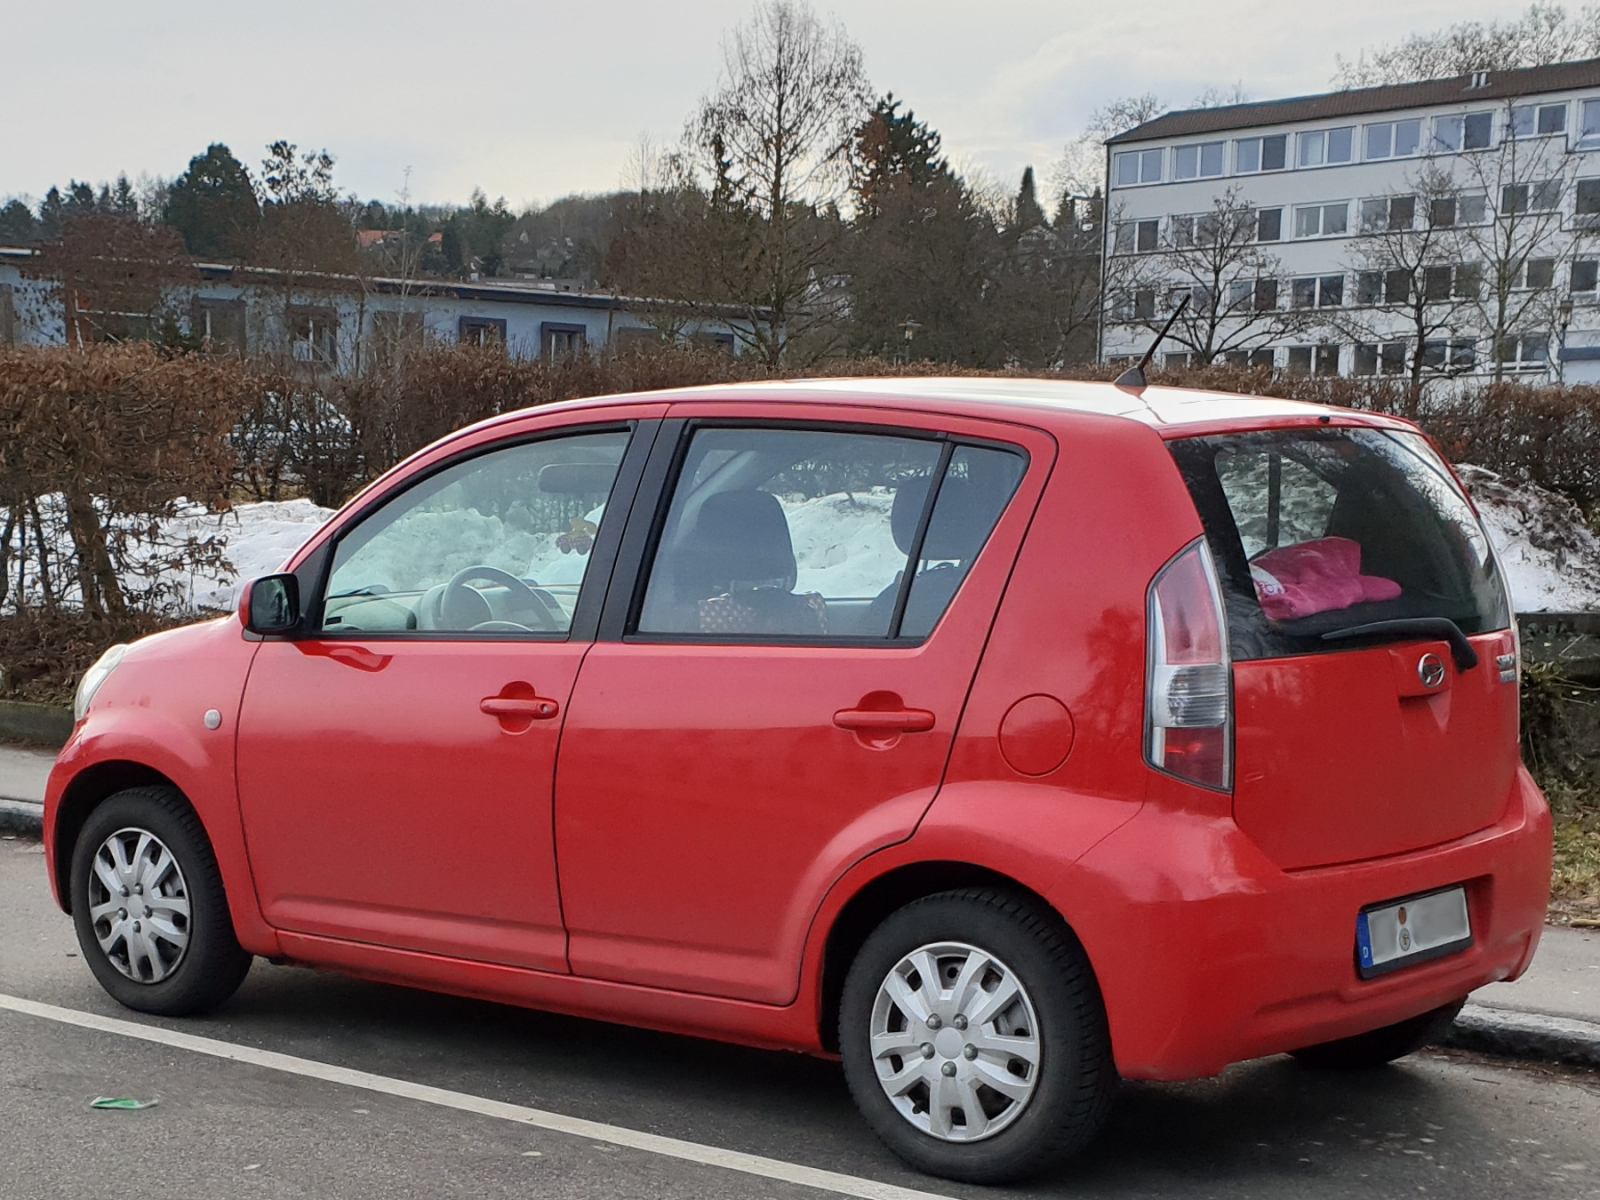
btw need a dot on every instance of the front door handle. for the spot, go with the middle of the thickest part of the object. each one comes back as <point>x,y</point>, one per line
<point>536,708</point>
<point>877,721</point>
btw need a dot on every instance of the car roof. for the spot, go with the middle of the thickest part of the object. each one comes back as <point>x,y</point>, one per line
<point>1172,411</point>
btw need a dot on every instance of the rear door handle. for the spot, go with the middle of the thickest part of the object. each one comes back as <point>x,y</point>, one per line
<point>866,720</point>
<point>538,708</point>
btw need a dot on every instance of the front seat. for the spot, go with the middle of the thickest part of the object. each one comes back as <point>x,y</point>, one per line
<point>734,572</point>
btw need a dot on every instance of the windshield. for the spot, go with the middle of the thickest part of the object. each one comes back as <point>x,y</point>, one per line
<point>1317,530</point>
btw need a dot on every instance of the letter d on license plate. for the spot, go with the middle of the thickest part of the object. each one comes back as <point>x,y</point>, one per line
<point>1400,933</point>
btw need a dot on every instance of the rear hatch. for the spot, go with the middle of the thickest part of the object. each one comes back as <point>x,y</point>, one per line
<point>1358,585</point>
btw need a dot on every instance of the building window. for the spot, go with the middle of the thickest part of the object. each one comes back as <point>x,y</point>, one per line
<point>1138,166</point>
<point>218,325</point>
<point>1177,360</point>
<point>394,334</point>
<point>1269,224</point>
<point>1317,291</point>
<point>1137,236</point>
<point>481,331</point>
<point>1313,360</point>
<point>1527,351</point>
<point>1394,139</point>
<point>1144,305</point>
<point>1383,287</point>
<point>1585,275</point>
<point>560,341</point>
<point>314,336</point>
<point>1198,230</point>
<point>1251,155</point>
<point>1450,354</point>
<point>707,339</point>
<point>1446,212</point>
<point>1379,358</point>
<point>1200,161</point>
<point>1321,220</point>
<point>1529,120</point>
<point>1388,214</point>
<point>1323,147</point>
<point>1533,274</point>
<point>1586,211</point>
<point>1516,198</point>
<point>1468,131</point>
<point>1589,131</point>
<point>1252,295</point>
<point>1250,358</point>
<point>8,316</point>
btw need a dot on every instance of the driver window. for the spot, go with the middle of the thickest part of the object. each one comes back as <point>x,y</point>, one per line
<point>498,544</point>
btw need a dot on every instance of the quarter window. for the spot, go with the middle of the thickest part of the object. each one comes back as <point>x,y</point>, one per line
<point>497,545</point>
<point>797,533</point>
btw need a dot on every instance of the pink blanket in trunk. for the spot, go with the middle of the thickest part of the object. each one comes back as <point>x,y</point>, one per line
<point>1314,577</point>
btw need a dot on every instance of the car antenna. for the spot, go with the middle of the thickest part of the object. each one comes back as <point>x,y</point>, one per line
<point>1132,380</point>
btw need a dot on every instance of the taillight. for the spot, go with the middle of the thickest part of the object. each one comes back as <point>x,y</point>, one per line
<point>1189,688</point>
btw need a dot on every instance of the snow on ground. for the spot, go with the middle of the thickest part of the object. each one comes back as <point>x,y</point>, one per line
<point>844,546</point>
<point>1551,558</point>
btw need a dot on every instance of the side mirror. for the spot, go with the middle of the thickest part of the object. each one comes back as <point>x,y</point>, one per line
<point>272,605</point>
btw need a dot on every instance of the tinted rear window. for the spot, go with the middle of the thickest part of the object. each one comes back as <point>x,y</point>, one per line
<point>1315,530</point>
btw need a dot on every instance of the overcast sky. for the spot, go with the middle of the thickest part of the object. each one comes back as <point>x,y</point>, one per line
<point>533,99</point>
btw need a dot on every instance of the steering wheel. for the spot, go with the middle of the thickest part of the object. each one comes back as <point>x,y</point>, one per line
<point>457,606</point>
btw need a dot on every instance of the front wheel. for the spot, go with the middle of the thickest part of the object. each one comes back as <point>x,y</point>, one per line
<point>149,908</point>
<point>974,1039</point>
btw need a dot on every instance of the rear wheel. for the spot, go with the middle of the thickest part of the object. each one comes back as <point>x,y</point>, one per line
<point>149,908</point>
<point>1379,1046</point>
<point>974,1039</point>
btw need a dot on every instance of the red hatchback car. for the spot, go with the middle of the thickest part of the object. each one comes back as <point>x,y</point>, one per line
<point>1001,737</point>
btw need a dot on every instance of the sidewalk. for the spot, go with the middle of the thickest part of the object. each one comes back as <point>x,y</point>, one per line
<point>1551,1013</point>
<point>22,778</point>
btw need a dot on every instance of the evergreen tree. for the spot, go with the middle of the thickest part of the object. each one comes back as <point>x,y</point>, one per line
<point>1028,214</point>
<point>892,149</point>
<point>17,226</point>
<point>213,206</point>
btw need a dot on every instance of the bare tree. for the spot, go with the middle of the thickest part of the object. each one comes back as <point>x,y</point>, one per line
<point>774,140</point>
<point>1544,34</point>
<point>1413,287</point>
<point>1219,261</point>
<point>1523,182</point>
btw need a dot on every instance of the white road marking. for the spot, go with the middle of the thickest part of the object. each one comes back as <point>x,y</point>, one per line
<point>615,1135</point>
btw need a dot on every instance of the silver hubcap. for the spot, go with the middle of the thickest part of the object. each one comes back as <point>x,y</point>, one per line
<point>139,905</point>
<point>955,1042</point>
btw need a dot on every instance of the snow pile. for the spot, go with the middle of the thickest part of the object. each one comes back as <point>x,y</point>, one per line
<point>1551,558</point>
<point>843,544</point>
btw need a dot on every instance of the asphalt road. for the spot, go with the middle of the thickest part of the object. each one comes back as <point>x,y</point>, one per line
<point>1439,1123</point>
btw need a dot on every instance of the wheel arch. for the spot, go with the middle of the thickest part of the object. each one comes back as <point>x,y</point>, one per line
<point>90,788</point>
<point>884,894</point>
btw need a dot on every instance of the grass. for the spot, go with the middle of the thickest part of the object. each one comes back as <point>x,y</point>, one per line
<point>1575,881</point>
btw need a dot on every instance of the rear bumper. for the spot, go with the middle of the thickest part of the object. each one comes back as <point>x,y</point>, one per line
<point>1214,955</point>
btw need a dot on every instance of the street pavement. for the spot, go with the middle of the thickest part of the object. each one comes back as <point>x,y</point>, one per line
<point>233,1119</point>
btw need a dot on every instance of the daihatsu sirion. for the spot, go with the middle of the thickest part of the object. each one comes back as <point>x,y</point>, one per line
<point>1002,737</point>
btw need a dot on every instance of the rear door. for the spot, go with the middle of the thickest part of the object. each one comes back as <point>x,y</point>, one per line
<point>1350,559</point>
<point>778,694</point>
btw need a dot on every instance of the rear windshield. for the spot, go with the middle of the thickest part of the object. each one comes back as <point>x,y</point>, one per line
<point>1316,530</point>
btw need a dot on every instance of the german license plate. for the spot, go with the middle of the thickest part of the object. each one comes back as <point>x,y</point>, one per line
<point>1401,933</point>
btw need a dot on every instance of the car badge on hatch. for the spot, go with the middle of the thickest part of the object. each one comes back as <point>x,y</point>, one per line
<point>1430,669</point>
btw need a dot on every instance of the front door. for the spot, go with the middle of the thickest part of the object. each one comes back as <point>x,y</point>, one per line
<point>784,695</point>
<point>395,766</point>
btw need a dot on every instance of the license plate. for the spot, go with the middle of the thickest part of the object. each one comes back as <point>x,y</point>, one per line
<point>1401,933</point>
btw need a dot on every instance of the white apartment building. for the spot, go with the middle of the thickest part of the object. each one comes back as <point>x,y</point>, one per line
<point>1451,226</point>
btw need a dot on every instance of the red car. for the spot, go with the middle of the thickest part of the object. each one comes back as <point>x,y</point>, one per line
<point>1000,737</point>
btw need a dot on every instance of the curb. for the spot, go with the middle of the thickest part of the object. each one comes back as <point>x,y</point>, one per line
<point>1514,1034</point>
<point>24,818</point>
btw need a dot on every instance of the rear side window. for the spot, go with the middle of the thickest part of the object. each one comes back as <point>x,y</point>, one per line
<point>1317,530</point>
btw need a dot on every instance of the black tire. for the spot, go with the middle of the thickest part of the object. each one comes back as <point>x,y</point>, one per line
<point>1075,1076</point>
<point>1377,1047</point>
<point>212,964</point>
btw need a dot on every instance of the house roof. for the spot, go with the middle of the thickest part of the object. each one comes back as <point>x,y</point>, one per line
<point>1501,86</point>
